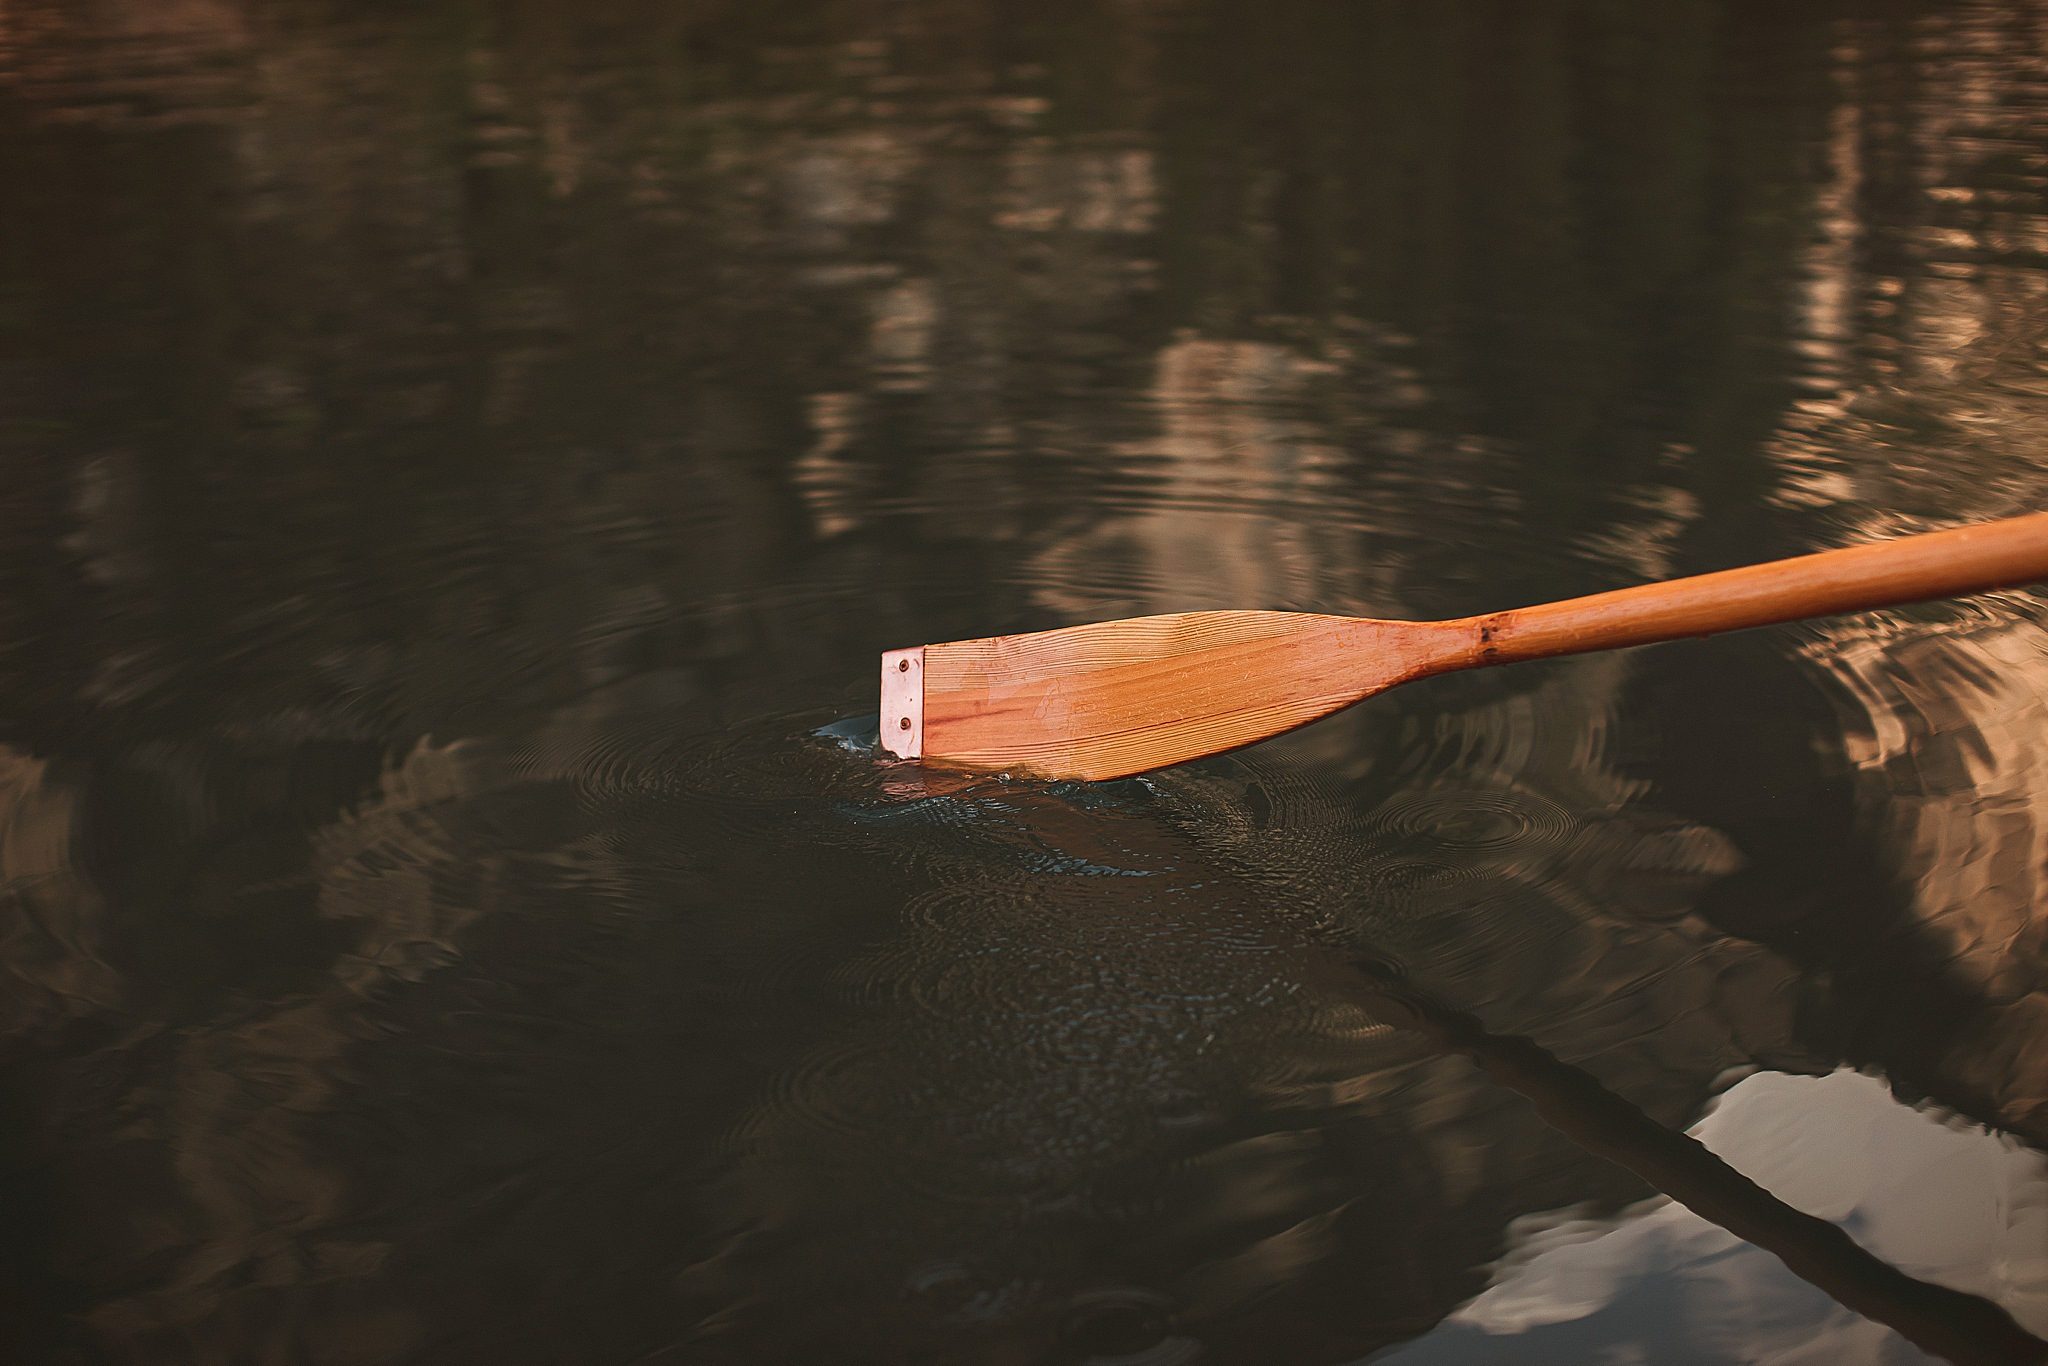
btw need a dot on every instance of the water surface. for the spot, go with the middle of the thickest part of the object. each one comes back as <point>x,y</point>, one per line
<point>463,461</point>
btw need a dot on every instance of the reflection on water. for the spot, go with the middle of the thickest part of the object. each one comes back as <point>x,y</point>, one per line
<point>464,462</point>
<point>1957,1206</point>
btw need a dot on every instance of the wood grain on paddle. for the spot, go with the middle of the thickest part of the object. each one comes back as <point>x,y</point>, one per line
<point>1119,697</point>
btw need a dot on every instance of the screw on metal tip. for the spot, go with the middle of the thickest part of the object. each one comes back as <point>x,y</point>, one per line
<point>903,666</point>
<point>904,724</point>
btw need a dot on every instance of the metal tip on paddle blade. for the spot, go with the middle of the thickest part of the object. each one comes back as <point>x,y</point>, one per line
<point>902,720</point>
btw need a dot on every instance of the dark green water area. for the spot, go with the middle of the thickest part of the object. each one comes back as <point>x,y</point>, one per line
<point>462,461</point>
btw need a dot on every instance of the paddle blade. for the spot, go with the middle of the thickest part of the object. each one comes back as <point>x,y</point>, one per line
<point>1120,697</point>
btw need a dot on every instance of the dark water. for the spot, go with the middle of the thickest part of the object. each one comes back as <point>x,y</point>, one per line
<point>463,460</point>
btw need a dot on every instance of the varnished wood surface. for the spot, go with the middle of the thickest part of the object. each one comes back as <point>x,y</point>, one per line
<point>1936,564</point>
<point>1120,697</point>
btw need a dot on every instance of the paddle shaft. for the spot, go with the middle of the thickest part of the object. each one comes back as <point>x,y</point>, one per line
<point>1936,564</point>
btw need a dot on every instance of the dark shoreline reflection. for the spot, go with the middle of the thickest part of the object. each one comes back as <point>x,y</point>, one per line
<point>461,457</point>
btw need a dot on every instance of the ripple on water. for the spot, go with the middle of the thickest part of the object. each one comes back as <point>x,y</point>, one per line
<point>1243,875</point>
<point>852,1089</point>
<point>642,752</point>
<point>1078,975</point>
<point>1032,948</point>
<point>768,782</point>
<point>1490,820</point>
<point>755,768</point>
<point>1125,1326</point>
<point>1397,883</point>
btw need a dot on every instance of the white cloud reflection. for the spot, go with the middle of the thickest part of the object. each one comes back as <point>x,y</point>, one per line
<point>1961,1207</point>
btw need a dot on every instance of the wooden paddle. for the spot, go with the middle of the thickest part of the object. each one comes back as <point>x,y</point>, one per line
<point>1121,697</point>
